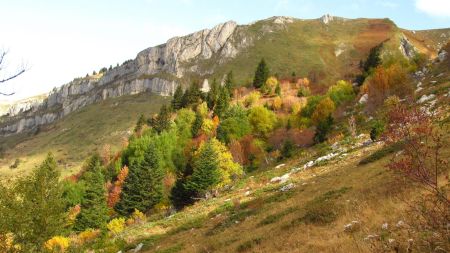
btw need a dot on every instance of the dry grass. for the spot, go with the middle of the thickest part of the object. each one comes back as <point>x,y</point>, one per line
<point>271,221</point>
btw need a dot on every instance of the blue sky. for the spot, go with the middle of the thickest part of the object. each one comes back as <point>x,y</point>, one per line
<point>60,40</point>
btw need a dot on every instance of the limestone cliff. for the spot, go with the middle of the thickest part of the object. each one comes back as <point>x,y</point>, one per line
<point>156,69</point>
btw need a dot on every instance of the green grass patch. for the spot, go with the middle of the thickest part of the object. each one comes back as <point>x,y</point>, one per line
<point>173,249</point>
<point>381,153</point>
<point>277,216</point>
<point>196,222</point>
<point>235,217</point>
<point>246,246</point>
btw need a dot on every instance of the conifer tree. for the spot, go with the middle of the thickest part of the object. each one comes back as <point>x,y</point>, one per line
<point>261,74</point>
<point>223,102</point>
<point>229,82</point>
<point>34,208</point>
<point>177,100</point>
<point>196,126</point>
<point>139,124</point>
<point>278,89</point>
<point>94,211</point>
<point>162,121</point>
<point>206,171</point>
<point>143,188</point>
<point>323,128</point>
<point>211,98</point>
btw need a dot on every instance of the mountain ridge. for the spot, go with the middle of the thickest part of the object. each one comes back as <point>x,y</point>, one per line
<point>205,55</point>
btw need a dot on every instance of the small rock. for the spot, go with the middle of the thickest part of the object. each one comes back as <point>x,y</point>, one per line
<point>138,248</point>
<point>385,226</point>
<point>364,99</point>
<point>425,98</point>
<point>433,82</point>
<point>419,89</point>
<point>371,237</point>
<point>287,187</point>
<point>247,193</point>
<point>280,165</point>
<point>308,164</point>
<point>352,226</point>
<point>400,224</point>
<point>305,183</point>
<point>281,179</point>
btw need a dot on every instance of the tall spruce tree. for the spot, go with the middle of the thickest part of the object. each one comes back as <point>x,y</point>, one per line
<point>94,211</point>
<point>34,208</point>
<point>197,125</point>
<point>261,74</point>
<point>162,121</point>
<point>143,187</point>
<point>177,100</point>
<point>323,129</point>
<point>211,98</point>
<point>205,171</point>
<point>229,83</point>
<point>223,102</point>
<point>140,124</point>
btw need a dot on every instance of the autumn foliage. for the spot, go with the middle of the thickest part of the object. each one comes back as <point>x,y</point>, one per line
<point>114,194</point>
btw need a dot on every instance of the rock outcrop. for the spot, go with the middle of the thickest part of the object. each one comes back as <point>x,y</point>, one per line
<point>157,69</point>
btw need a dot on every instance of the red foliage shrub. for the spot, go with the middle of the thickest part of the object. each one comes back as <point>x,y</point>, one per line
<point>116,189</point>
<point>301,138</point>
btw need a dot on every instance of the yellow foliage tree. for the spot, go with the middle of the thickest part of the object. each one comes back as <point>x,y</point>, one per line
<point>208,127</point>
<point>87,236</point>
<point>324,108</point>
<point>270,84</point>
<point>228,169</point>
<point>57,244</point>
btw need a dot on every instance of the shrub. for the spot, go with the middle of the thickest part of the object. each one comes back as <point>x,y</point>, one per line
<point>308,110</point>
<point>288,148</point>
<point>376,130</point>
<point>303,91</point>
<point>322,129</point>
<point>116,225</point>
<point>87,236</point>
<point>277,103</point>
<point>323,109</point>
<point>137,217</point>
<point>341,92</point>
<point>252,98</point>
<point>57,244</point>
<point>381,153</point>
<point>262,120</point>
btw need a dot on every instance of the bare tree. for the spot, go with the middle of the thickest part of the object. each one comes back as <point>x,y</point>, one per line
<point>8,77</point>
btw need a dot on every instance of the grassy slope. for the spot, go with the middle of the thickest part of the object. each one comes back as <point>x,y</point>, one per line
<point>76,136</point>
<point>308,45</point>
<point>271,221</point>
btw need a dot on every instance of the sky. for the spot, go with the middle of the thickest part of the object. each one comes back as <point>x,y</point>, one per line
<point>59,40</point>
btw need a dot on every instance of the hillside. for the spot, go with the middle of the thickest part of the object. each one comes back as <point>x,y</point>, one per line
<point>323,50</point>
<point>76,136</point>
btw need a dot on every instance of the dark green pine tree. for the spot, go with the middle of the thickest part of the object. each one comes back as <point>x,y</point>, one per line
<point>94,211</point>
<point>261,74</point>
<point>197,124</point>
<point>223,102</point>
<point>177,100</point>
<point>143,187</point>
<point>206,172</point>
<point>229,82</point>
<point>42,210</point>
<point>162,121</point>
<point>323,129</point>
<point>211,98</point>
<point>140,124</point>
<point>278,89</point>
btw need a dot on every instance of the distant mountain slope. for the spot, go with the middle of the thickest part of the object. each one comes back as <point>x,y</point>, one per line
<point>324,49</point>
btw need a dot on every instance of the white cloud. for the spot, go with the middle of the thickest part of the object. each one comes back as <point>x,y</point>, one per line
<point>437,8</point>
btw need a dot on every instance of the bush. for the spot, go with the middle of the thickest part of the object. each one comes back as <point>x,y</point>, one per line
<point>252,98</point>
<point>376,130</point>
<point>341,92</point>
<point>262,120</point>
<point>288,148</point>
<point>116,225</point>
<point>383,152</point>
<point>303,92</point>
<point>57,244</point>
<point>87,236</point>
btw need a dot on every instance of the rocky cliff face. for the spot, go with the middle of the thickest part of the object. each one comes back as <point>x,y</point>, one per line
<point>156,69</point>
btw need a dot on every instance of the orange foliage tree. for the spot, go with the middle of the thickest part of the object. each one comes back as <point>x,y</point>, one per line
<point>114,194</point>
